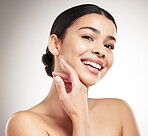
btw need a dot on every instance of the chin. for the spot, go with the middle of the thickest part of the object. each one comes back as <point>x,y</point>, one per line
<point>92,80</point>
<point>88,84</point>
<point>89,81</point>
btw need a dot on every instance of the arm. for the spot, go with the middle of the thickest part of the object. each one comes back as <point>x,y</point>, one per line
<point>21,124</point>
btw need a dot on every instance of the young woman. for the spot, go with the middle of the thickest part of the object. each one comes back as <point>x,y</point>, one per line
<point>79,54</point>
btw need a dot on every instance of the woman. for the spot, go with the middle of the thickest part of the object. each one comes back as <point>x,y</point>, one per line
<point>79,54</point>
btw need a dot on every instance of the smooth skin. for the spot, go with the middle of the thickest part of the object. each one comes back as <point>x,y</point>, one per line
<point>67,110</point>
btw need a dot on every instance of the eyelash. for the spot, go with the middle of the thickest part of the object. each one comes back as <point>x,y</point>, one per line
<point>87,37</point>
<point>109,46</point>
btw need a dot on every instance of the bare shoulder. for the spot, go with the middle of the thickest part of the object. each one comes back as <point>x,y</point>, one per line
<point>119,110</point>
<point>110,103</point>
<point>114,103</point>
<point>118,107</point>
<point>24,123</point>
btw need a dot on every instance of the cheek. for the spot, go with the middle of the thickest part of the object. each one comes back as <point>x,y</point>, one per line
<point>110,59</point>
<point>80,48</point>
<point>74,47</point>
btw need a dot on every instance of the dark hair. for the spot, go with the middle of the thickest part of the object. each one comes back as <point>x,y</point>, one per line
<point>65,20</point>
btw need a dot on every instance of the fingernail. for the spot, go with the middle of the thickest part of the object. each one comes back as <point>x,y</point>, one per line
<point>57,79</point>
<point>53,73</point>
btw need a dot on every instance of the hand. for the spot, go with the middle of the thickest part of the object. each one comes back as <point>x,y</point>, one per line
<point>74,103</point>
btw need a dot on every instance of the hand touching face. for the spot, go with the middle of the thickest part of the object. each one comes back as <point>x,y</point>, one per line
<point>74,102</point>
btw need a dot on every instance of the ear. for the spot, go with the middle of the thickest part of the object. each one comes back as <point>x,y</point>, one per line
<point>53,44</point>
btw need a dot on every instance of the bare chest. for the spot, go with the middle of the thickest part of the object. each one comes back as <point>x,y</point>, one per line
<point>102,126</point>
<point>104,119</point>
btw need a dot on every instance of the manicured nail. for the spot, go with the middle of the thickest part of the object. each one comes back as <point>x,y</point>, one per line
<point>57,79</point>
<point>53,73</point>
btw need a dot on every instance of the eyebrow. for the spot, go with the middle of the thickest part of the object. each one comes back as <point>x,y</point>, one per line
<point>91,28</point>
<point>111,38</point>
<point>98,32</point>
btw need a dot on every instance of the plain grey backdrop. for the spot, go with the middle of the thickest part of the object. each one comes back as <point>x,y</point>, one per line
<point>24,32</point>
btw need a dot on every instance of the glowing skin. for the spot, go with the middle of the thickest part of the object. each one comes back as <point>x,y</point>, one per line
<point>72,113</point>
<point>89,34</point>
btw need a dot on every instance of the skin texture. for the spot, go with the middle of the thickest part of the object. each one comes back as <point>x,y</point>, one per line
<point>67,110</point>
<point>73,43</point>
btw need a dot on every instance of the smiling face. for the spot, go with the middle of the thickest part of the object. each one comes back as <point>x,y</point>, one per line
<point>88,47</point>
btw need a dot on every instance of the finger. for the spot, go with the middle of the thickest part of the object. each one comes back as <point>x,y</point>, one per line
<point>60,87</point>
<point>72,73</point>
<point>64,76</point>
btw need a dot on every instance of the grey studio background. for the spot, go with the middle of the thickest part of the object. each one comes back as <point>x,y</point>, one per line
<point>24,31</point>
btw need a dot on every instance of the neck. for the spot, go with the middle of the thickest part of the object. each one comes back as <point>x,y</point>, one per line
<point>52,104</point>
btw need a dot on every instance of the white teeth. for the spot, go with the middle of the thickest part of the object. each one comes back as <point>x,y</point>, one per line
<point>87,62</point>
<point>92,64</point>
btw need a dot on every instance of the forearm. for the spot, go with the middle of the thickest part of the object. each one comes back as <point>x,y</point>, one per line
<point>81,126</point>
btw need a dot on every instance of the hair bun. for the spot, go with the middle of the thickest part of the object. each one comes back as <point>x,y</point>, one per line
<point>47,60</point>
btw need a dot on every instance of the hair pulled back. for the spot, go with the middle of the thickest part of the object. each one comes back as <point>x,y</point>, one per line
<point>65,20</point>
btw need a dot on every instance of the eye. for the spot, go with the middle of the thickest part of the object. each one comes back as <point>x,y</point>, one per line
<point>109,46</point>
<point>87,37</point>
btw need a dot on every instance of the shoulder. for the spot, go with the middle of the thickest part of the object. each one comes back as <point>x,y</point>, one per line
<point>110,103</point>
<point>24,123</point>
<point>120,110</point>
<point>113,103</point>
<point>113,106</point>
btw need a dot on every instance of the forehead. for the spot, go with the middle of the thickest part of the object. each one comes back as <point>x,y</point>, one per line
<point>100,22</point>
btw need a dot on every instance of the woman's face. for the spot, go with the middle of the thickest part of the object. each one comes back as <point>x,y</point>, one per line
<point>88,43</point>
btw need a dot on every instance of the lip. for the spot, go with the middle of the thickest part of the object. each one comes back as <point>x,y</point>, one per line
<point>94,60</point>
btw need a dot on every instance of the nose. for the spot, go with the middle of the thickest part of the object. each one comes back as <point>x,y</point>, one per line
<point>99,51</point>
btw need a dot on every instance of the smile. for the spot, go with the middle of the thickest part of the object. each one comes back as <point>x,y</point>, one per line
<point>92,65</point>
<point>97,66</point>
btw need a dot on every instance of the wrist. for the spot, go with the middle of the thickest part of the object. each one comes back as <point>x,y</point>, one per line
<point>81,126</point>
<point>81,119</point>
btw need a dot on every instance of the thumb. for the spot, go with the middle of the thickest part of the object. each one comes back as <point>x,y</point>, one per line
<point>60,87</point>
